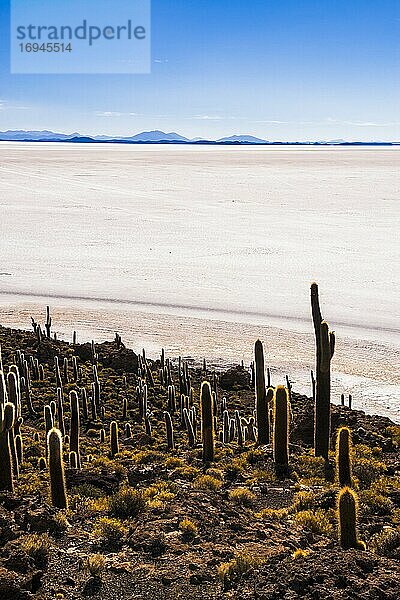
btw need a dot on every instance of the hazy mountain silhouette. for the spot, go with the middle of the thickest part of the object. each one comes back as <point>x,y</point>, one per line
<point>159,137</point>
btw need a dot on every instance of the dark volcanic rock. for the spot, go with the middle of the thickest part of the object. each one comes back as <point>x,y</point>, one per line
<point>108,484</point>
<point>11,586</point>
<point>235,378</point>
<point>122,360</point>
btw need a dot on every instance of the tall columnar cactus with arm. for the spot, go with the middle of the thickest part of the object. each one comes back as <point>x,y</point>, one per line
<point>281,430</point>
<point>347,518</point>
<point>56,469</point>
<point>207,422</point>
<point>325,347</point>
<point>343,457</point>
<point>74,426</point>
<point>7,416</point>
<point>261,397</point>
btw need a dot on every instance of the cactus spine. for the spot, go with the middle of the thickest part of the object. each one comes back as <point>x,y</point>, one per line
<point>325,347</point>
<point>281,430</point>
<point>74,429</point>
<point>347,517</point>
<point>207,422</point>
<point>343,457</point>
<point>56,470</point>
<point>114,438</point>
<point>261,399</point>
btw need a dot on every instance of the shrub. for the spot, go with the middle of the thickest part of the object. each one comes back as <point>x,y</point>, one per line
<point>273,514</point>
<point>310,467</point>
<point>366,467</point>
<point>110,531</point>
<point>88,507</point>
<point>235,467</point>
<point>188,528</point>
<point>303,500</point>
<point>146,457</point>
<point>394,432</point>
<point>86,490</point>
<point>217,473</point>
<point>188,473</point>
<point>368,470</point>
<point>233,570</point>
<point>104,466</point>
<point>158,495</point>
<point>127,503</point>
<point>207,482</point>
<point>317,522</point>
<point>265,475</point>
<point>37,545</point>
<point>173,462</point>
<point>300,553</point>
<point>387,543</point>
<point>95,564</point>
<point>242,495</point>
<point>374,502</point>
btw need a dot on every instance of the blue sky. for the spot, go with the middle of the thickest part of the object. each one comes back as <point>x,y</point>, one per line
<point>278,69</point>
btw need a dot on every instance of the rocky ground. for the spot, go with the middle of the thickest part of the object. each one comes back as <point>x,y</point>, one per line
<point>230,529</point>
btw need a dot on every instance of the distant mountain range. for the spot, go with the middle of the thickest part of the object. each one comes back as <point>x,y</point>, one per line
<point>158,137</point>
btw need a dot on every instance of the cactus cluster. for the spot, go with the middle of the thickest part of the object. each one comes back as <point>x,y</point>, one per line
<point>164,388</point>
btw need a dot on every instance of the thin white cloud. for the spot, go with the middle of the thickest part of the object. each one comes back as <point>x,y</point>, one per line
<point>272,122</point>
<point>371,124</point>
<point>207,117</point>
<point>331,121</point>
<point>4,105</point>
<point>112,113</point>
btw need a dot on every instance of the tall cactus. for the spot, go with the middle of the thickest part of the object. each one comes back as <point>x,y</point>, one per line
<point>170,430</point>
<point>239,428</point>
<point>347,518</point>
<point>60,411</point>
<point>343,457</point>
<point>189,427</point>
<point>74,430</point>
<point>56,469</point>
<point>6,466</point>
<point>85,412</point>
<point>19,446</point>
<point>14,398</point>
<point>281,430</point>
<point>261,397</point>
<point>207,422</point>
<point>325,347</point>
<point>114,445</point>
<point>48,422</point>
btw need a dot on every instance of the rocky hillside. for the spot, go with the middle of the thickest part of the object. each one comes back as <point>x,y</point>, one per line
<point>147,517</point>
